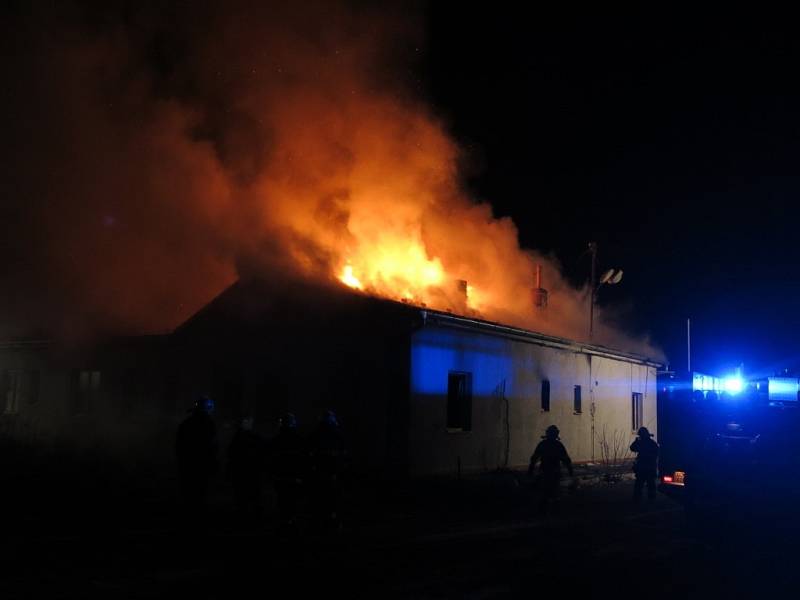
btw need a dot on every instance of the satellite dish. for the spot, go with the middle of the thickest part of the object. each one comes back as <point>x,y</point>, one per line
<point>616,278</point>
<point>607,276</point>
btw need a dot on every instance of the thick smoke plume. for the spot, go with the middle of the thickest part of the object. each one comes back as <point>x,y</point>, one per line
<point>158,154</point>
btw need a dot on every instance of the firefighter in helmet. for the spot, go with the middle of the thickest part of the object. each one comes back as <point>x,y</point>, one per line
<point>328,462</point>
<point>646,464</point>
<point>245,468</point>
<point>288,458</point>
<point>196,450</point>
<point>551,454</point>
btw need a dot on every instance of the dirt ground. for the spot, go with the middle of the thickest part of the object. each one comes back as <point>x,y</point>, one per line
<point>90,535</point>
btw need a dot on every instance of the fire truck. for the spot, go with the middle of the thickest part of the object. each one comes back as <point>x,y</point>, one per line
<point>729,443</point>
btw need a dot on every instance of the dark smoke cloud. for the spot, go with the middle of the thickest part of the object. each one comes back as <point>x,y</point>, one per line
<point>131,136</point>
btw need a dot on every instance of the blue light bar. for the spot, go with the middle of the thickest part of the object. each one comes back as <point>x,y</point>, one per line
<point>733,384</point>
<point>783,389</point>
<point>707,383</point>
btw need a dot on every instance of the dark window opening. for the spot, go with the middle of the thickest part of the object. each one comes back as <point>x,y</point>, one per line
<point>19,387</point>
<point>545,395</point>
<point>576,400</point>
<point>459,401</point>
<point>85,390</point>
<point>11,383</point>
<point>637,410</point>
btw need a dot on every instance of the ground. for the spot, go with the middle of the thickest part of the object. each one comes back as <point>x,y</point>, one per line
<point>478,537</point>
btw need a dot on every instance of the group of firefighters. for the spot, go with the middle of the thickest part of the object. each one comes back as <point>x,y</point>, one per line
<point>311,468</point>
<point>550,453</point>
<point>300,468</point>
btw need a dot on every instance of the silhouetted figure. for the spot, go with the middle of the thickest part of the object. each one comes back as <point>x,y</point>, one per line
<point>246,465</point>
<point>288,457</point>
<point>328,457</point>
<point>646,465</point>
<point>552,453</point>
<point>196,450</point>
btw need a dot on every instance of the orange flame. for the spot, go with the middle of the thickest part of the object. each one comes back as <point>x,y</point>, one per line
<point>393,267</point>
<point>376,204</point>
<point>348,278</point>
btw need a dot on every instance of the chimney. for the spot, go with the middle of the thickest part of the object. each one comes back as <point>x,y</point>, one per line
<point>539,293</point>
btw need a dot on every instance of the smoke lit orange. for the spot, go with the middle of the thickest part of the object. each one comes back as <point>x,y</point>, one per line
<point>285,141</point>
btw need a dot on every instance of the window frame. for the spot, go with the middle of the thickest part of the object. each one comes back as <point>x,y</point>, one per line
<point>577,400</point>
<point>637,410</point>
<point>19,385</point>
<point>86,386</point>
<point>544,396</point>
<point>458,417</point>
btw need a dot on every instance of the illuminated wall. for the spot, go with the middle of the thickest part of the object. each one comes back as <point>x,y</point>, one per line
<point>507,415</point>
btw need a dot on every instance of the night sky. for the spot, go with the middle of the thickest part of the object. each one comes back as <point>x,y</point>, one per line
<point>672,140</point>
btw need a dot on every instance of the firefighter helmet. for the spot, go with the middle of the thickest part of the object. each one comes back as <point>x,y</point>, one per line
<point>329,419</point>
<point>288,421</point>
<point>204,404</point>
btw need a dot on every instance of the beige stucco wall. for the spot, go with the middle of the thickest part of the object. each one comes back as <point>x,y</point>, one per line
<point>508,372</point>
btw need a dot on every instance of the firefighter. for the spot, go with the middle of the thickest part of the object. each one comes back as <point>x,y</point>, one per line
<point>646,465</point>
<point>551,453</point>
<point>246,463</point>
<point>328,456</point>
<point>196,450</point>
<point>288,459</point>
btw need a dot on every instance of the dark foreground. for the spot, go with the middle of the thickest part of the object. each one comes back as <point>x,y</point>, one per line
<point>475,538</point>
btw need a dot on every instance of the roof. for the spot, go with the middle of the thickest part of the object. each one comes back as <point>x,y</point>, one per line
<point>257,301</point>
<point>287,302</point>
<point>532,337</point>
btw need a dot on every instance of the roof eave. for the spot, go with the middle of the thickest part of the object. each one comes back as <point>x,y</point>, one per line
<point>533,337</point>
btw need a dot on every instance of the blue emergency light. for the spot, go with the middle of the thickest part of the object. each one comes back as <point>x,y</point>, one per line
<point>733,384</point>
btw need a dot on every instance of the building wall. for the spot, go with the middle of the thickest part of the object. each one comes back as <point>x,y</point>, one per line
<point>391,395</point>
<point>362,379</point>
<point>507,416</point>
<point>133,395</point>
<point>33,415</point>
<point>111,400</point>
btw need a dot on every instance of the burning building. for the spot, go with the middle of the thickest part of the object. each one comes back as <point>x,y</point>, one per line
<point>419,391</point>
<point>191,148</point>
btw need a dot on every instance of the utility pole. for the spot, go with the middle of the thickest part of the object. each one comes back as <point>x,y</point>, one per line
<point>689,345</point>
<point>593,283</point>
<point>611,277</point>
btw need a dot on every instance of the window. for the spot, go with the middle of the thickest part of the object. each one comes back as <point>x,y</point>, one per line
<point>85,390</point>
<point>637,408</point>
<point>459,401</point>
<point>11,392</point>
<point>545,395</point>
<point>18,387</point>
<point>576,400</point>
